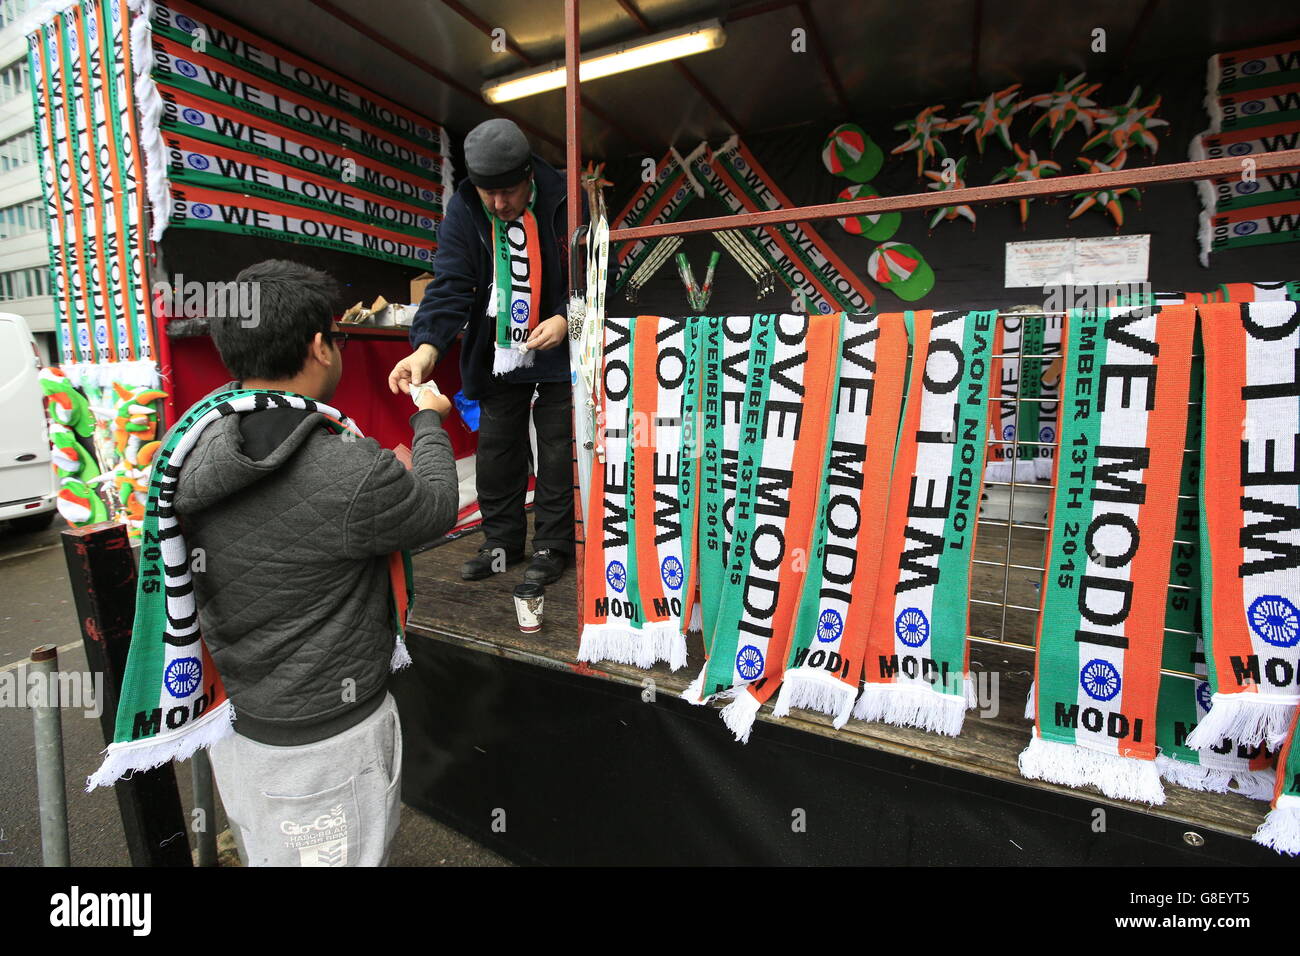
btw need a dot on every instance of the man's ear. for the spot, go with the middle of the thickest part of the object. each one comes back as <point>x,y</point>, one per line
<point>319,349</point>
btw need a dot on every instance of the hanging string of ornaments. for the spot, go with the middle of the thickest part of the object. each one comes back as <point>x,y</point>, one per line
<point>849,152</point>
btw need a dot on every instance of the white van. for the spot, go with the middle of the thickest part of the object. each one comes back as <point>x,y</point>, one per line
<point>27,487</point>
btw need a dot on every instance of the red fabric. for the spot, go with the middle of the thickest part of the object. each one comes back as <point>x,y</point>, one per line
<point>362,394</point>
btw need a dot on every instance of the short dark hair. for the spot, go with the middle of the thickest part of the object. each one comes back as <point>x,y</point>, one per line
<point>294,302</point>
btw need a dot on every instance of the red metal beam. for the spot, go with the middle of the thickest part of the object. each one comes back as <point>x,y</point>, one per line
<point>486,29</point>
<point>630,9</point>
<point>440,75</point>
<point>754,9</point>
<point>824,55</point>
<point>1002,192</point>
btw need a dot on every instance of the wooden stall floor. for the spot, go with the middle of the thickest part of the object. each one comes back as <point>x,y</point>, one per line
<point>480,615</point>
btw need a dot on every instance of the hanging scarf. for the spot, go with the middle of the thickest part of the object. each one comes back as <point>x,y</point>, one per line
<point>1253,68</point>
<point>1250,521</point>
<point>917,660</point>
<point>1227,767</point>
<point>1124,421</point>
<point>516,287</point>
<point>795,418</point>
<point>688,474</point>
<point>661,200</point>
<point>173,701</point>
<point>633,559</point>
<point>1024,350</point>
<point>824,666</point>
<point>1247,109</point>
<point>1281,828</point>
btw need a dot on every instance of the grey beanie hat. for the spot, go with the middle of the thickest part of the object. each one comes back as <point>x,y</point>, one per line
<point>497,155</point>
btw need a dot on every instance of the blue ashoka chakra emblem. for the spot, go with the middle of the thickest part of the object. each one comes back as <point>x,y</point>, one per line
<point>1203,695</point>
<point>1099,678</point>
<point>424,253</point>
<point>426,193</point>
<point>201,209</point>
<point>749,662</point>
<point>912,627</point>
<point>192,116</point>
<point>1244,228</point>
<point>671,571</point>
<point>616,575</point>
<point>1046,434</point>
<point>423,132</point>
<point>1275,620</point>
<point>426,162</point>
<point>1009,432</point>
<point>519,311</point>
<point>185,23</point>
<point>182,676</point>
<point>197,161</point>
<point>1251,67</point>
<point>1254,106</point>
<point>186,68</point>
<point>1245,189</point>
<point>829,625</point>
<point>425,222</point>
<point>1238,149</point>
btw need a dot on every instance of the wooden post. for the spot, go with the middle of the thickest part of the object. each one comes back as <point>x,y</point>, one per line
<point>102,571</point>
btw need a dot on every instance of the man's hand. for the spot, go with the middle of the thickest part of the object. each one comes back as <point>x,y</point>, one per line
<point>416,369</point>
<point>438,403</point>
<point>548,334</point>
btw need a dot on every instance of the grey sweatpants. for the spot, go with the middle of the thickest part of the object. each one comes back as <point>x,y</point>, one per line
<point>332,803</point>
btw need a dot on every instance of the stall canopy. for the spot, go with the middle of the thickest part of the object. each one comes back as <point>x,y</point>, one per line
<point>861,55</point>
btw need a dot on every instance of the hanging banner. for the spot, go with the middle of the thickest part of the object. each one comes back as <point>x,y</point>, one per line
<point>661,200</point>
<point>197,208</point>
<point>806,265</point>
<point>1255,68</point>
<point>1112,530</point>
<point>1247,109</point>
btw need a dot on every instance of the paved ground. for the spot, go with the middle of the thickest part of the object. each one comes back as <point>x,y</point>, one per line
<point>36,608</point>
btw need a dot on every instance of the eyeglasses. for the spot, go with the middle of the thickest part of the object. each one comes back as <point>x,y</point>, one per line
<point>340,339</point>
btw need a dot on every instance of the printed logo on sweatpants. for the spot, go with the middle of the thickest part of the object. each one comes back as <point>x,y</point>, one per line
<point>322,841</point>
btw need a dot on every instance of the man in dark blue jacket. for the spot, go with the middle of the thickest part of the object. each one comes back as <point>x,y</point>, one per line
<point>508,187</point>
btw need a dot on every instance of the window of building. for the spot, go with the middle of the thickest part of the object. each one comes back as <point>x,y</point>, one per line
<point>22,283</point>
<point>13,79</point>
<point>17,151</point>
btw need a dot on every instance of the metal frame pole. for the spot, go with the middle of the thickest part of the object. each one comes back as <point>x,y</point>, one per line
<point>47,724</point>
<point>573,168</point>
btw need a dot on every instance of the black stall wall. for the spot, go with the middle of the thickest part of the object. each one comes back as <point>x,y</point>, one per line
<point>969,262</point>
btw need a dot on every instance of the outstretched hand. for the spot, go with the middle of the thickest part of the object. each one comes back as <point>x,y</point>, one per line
<point>548,334</point>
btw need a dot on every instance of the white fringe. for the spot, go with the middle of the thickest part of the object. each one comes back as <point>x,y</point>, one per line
<point>401,656</point>
<point>1255,784</point>
<point>639,648</point>
<point>149,110</point>
<point>907,705</point>
<point>1281,828</point>
<point>1249,719</point>
<point>740,713</point>
<point>815,690</point>
<point>507,360</point>
<point>140,755</point>
<point>697,620</point>
<point>1030,705</point>
<point>1123,778</point>
<point>696,689</point>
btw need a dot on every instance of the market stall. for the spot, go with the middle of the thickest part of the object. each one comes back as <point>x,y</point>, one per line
<point>899,261</point>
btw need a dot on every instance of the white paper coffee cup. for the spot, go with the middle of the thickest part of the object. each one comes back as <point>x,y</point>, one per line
<point>528,606</point>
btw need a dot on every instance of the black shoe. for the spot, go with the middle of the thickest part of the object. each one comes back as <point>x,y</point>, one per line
<point>487,562</point>
<point>546,567</point>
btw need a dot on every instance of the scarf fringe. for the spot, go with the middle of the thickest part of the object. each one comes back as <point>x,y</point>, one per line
<point>149,106</point>
<point>1280,830</point>
<point>696,688</point>
<point>816,690</point>
<point>907,706</point>
<point>1248,719</point>
<point>697,619</point>
<point>401,656</point>
<point>1254,784</point>
<point>141,755</point>
<point>1122,778</point>
<point>1030,704</point>
<point>739,715</point>
<point>508,360</point>
<point>639,648</point>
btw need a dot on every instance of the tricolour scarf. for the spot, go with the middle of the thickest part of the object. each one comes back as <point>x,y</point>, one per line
<point>516,288</point>
<point>1227,767</point>
<point>796,416</point>
<point>1124,421</point>
<point>917,662</point>
<point>632,589</point>
<point>1250,521</point>
<point>824,666</point>
<point>1281,828</point>
<point>173,701</point>
<point>1024,350</point>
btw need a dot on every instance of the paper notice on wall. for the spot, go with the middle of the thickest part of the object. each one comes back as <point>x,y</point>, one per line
<point>1105,260</point>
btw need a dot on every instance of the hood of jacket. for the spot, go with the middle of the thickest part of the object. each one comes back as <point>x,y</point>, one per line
<point>236,451</point>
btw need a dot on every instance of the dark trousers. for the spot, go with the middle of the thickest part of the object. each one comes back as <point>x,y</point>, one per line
<point>502,466</point>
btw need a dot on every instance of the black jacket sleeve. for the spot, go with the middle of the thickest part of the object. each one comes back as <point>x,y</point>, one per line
<point>449,298</point>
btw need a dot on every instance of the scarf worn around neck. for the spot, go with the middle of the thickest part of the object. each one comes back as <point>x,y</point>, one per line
<point>516,287</point>
<point>173,701</point>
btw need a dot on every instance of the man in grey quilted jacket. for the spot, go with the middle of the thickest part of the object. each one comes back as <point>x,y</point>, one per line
<point>291,527</point>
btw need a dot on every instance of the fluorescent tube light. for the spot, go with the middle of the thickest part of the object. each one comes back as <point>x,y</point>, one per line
<point>659,48</point>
